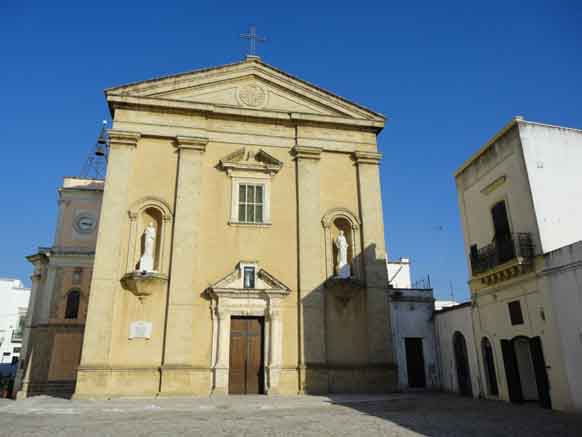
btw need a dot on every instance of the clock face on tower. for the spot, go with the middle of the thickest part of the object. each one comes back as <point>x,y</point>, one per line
<point>85,224</point>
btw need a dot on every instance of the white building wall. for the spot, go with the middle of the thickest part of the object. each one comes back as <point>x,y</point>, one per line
<point>563,278</point>
<point>411,316</point>
<point>553,157</point>
<point>14,298</point>
<point>498,175</point>
<point>399,275</point>
<point>447,322</point>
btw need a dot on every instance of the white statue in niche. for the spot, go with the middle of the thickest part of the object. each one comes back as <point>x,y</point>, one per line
<point>342,268</point>
<point>146,262</point>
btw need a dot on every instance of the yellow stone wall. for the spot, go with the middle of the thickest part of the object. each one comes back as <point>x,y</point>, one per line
<point>172,157</point>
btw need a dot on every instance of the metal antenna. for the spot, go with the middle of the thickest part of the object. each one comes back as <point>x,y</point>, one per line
<point>253,39</point>
<point>95,166</point>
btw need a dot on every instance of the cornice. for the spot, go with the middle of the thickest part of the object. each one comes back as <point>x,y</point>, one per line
<point>191,143</point>
<point>135,102</point>
<point>367,158</point>
<point>123,138</point>
<point>307,152</point>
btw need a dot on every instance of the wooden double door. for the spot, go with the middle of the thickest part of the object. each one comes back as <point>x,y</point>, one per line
<point>246,371</point>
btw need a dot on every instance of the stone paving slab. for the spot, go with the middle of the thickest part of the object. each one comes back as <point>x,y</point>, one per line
<point>347,415</point>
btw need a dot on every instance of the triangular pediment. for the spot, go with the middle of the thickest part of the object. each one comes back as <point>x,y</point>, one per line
<point>264,282</point>
<point>248,160</point>
<point>250,84</point>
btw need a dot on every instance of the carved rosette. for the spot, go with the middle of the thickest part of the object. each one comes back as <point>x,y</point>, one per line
<point>252,95</point>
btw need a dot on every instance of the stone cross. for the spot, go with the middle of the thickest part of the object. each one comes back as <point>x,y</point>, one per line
<point>253,39</point>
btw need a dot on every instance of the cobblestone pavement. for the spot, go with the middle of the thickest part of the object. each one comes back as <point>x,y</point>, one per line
<point>394,415</point>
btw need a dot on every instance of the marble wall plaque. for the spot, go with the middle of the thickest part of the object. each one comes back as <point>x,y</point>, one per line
<point>140,329</point>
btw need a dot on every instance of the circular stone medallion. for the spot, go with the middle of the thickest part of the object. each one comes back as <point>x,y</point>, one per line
<point>252,95</point>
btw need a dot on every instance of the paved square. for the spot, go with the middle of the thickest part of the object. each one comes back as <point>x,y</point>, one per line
<point>393,415</point>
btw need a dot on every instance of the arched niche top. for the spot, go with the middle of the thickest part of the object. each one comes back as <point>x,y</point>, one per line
<point>150,202</point>
<point>336,213</point>
<point>149,210</point>
<point>342,219</point>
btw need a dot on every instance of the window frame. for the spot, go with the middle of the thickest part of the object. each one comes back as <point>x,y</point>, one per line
<point>66,314</point>
<point>263,182</point>
<point>515,312</point>
<point>250,203</point>
<point>253,272</point>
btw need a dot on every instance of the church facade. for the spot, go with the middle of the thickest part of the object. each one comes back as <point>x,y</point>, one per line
<point>240,246</point>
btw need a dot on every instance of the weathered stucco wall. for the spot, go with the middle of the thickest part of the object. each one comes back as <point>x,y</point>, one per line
<point>553,156</point>
<point>448,322</point>
<point>563,277</point>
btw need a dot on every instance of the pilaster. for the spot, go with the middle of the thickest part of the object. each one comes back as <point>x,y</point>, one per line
<point>276,350</point>
<point>222,362</point>
<point>311,273</point>
<point>107,268</point>
<point>374,257</point>
<point>185,265</point>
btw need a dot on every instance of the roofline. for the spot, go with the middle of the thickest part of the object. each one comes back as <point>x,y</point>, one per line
<point>514,122</point>
<point>256,59</point>
<point>486,146</point>
<point>453,307</point>
<point>171,76</point>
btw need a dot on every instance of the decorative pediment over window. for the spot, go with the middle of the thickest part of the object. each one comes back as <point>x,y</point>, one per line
<point>248,279</point>
<point>251,172</point>
<point>247,160</point>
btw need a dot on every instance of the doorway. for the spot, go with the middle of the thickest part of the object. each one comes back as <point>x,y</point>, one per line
<point>462,364</point>
<point>246,369</point>
<point>415,362</point>
<point>525,369</point>
<point>489,364</point>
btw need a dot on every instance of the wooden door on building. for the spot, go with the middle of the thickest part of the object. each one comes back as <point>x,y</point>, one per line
<point>246,372</point>
<point>415,362</point>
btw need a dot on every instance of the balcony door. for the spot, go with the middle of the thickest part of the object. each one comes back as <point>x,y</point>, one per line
<point>502,232</point>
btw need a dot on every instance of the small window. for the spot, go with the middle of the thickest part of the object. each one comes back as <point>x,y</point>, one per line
<point>77,274</point>
<point>515,314</point>
<point>16,350</point>
<point>249,277</point>
<point>250,203</point>
<point>72,308</point>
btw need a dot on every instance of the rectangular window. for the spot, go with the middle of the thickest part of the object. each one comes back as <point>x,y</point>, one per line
<point>77,273</point>
<point>250,203</point>
<point>249,277</point>
<point>515,314</point>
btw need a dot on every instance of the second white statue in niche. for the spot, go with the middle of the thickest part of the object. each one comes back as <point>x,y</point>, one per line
<point>146,262</point>
<point>342,268</point>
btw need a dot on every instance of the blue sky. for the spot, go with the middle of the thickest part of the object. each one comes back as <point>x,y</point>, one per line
<point>447,74</point>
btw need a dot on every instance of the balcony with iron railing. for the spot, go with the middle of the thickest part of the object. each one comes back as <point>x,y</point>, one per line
<point>514,251</point>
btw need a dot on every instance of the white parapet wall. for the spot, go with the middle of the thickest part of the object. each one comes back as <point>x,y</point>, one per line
<point>14,297</point>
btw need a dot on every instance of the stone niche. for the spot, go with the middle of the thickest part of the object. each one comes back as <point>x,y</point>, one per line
<point>334,221</point>
<point>141,215</point>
